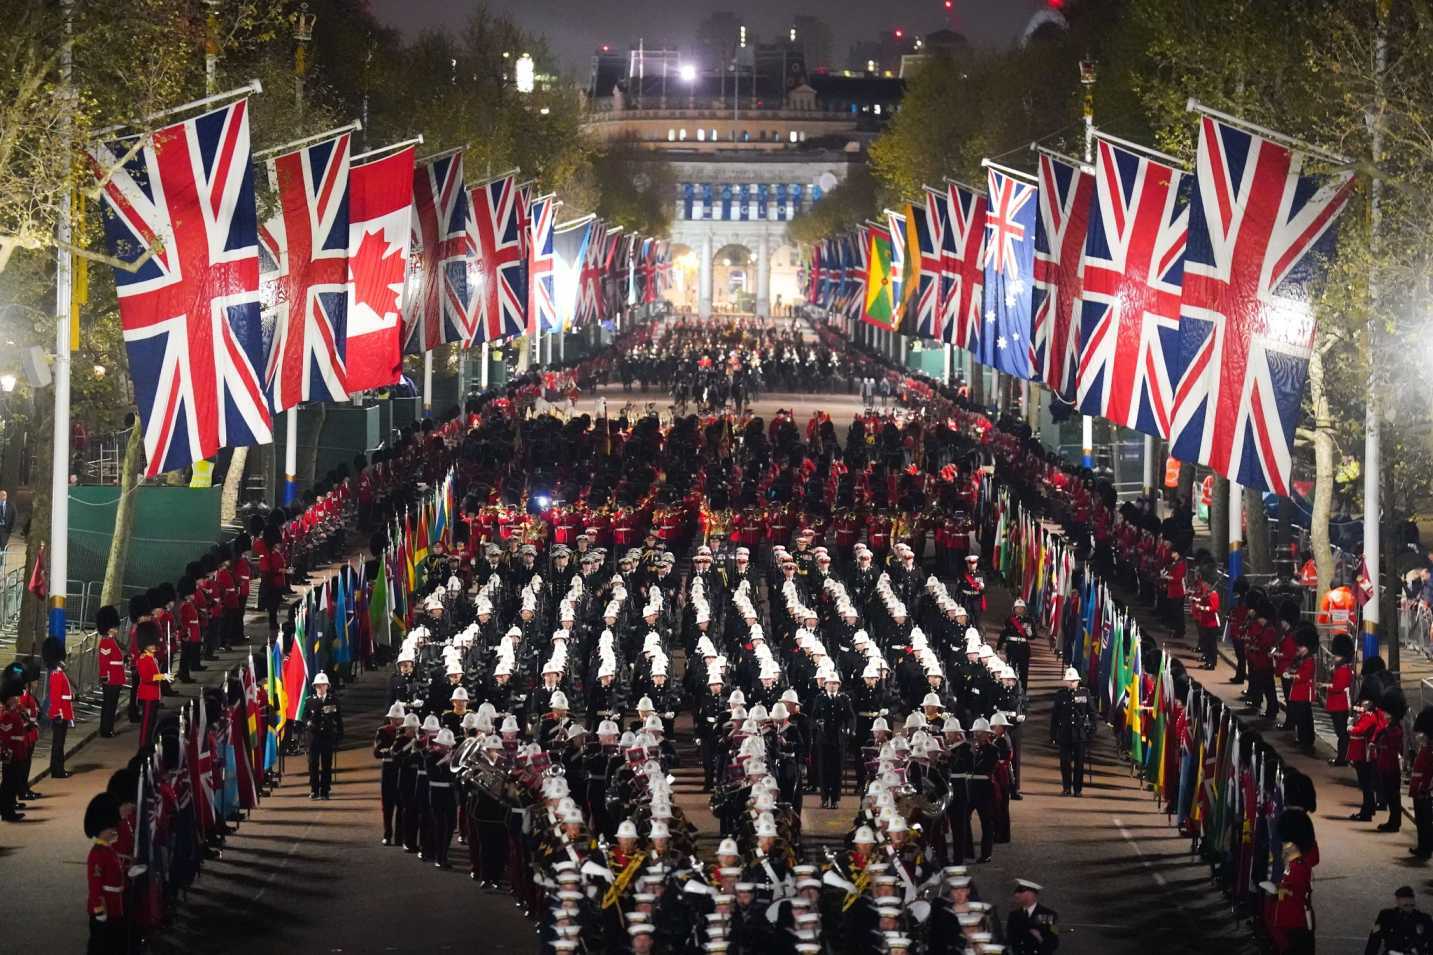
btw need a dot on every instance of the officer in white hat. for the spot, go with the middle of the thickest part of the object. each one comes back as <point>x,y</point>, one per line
<point>323,719</point>
<point>1072,726</point>
<point>1031,928</point>
<point>384,740</point>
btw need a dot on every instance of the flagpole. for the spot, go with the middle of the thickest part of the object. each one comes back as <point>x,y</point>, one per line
<point>1194,106</point>
<point>353,127</point>
<point>60,449</point>
<point>427,384</point>
<point>303,32</point>
<point>1087,79</point>
<point>253,86</point>
<point>391,147</point>
<point>1008,170</point>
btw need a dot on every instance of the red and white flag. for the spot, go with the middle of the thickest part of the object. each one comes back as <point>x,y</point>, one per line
<point>380,213</point>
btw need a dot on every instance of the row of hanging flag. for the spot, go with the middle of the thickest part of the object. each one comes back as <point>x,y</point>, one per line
<point>1189,747</point>
<point>365,258</point>
<point>1172,302</point>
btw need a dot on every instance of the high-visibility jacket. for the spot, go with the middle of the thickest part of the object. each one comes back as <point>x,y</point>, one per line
<point>1336,609</point>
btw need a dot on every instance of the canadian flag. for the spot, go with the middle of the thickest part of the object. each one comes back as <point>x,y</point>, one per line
<point>380,206</point>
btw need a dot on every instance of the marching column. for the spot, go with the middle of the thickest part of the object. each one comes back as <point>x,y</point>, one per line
<point>763,275</point>
<point>704,291</point>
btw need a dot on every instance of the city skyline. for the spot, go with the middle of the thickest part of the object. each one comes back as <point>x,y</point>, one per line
<point>575,30</point>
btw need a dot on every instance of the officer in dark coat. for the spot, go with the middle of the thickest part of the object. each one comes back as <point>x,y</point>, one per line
<point>832,719</point>
<point>324,721</point>
<point>1031,928</point>
<point>1402,928</point>
<point>1015,639</point>
<point>1072,725</point>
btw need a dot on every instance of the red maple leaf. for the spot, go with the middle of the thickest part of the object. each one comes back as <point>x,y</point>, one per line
<point>377,273</point>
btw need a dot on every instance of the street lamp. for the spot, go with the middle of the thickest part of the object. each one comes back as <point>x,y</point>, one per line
<point>687,73</point>
<point>525,74</point>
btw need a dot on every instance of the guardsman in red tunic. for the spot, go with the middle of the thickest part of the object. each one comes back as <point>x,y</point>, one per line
<point>1290,907</point>
<point>1338,700</point>
<point>151,678</point>
<point>110,661</point>
<point>61,703</point>
<point>105,876</point>
<point>14,753</point>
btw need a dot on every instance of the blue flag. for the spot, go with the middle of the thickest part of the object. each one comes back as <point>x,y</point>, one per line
<point>1006,343</point>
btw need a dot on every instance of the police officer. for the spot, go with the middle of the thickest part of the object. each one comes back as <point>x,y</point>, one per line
<point>1402,928</point>
<point>1031,928</point>
<point>324,722</point>
<point>1072,725</point>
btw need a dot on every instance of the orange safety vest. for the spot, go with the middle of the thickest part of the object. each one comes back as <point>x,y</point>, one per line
<point>1336,610</point>
<point>1171,472</point>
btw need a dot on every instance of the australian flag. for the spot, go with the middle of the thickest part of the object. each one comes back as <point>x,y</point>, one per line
<point>1005,340</point>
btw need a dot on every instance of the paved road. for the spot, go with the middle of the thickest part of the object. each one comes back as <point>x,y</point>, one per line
<point>305,876</point>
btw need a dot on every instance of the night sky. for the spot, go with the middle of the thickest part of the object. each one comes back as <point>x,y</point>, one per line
<point>577,27</point>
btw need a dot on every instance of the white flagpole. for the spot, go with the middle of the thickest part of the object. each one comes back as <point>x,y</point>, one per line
<point>427,383</point>
<point>60,451</point>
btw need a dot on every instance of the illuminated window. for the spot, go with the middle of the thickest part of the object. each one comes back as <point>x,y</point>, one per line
<point>671,135</point>
<point>793,136</point>
<point>701,135</point>
<point>682,135</point>
<point>712,135</point>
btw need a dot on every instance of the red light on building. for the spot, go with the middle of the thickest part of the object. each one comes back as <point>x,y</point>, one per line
<point>606,48</point>
<point>899,33</point>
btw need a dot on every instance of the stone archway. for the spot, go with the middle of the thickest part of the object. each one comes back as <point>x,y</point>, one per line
<point>685,285</point>
<point>785,283</point>
<point>734,278</point>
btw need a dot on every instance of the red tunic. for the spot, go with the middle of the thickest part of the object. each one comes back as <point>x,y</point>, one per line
<point>62,697</point>
<point>149,677</point>
<point>1341,690</point>
<point>105,872</point>
<point>111,662</point>
<point>1302,690</point>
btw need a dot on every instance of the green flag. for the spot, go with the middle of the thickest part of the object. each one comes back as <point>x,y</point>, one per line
<point>379,613</point>
<point>879,307</point>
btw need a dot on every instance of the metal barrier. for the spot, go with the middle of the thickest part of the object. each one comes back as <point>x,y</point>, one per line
<point>12,593</point>
<point>82,665</point>
<point>1415,626</point>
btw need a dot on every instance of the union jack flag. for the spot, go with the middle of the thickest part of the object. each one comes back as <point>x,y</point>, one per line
<point>541,307</point>
<point>962,257</point>
<point>442,247</point>
<point>1066,191</point>
<point>192,328</point>
<point>1134,267</point>
<point>589,293</point>
<point>1259,233</point>
<point>303,268</point>
<point>855,272</point>
<point>496,233</point>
